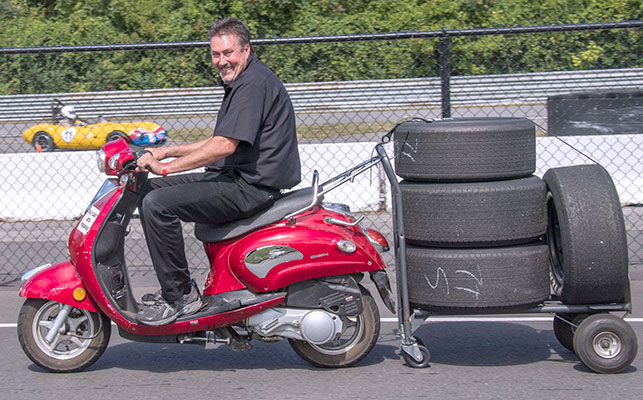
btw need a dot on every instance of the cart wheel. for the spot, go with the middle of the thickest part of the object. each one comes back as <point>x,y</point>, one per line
<point>564,328</point>
<point>605,344</point>
<point>426,356</point>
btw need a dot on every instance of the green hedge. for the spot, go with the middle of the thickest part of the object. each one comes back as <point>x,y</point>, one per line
<point>30,23</point>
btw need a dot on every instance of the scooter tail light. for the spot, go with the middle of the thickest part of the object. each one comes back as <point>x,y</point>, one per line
<point>377,240</point>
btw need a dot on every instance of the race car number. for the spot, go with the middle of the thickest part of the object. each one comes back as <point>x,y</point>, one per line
<point>88,220</point>
<point>68,134</point>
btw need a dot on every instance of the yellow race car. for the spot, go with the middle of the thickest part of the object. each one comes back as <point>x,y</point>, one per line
<point>68,131</point>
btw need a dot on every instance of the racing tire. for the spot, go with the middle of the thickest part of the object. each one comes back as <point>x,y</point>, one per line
<point>605,343</point>
<point>362,336</point>
<point>117,134</point>
<point>44,140</point>
<point>68,352</point>
<point>477,214</point>
<point>478,280</point>
<point>468,149</point>
<point>586,236</point>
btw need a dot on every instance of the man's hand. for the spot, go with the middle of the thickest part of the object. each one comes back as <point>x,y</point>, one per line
<point>148,163</point>
<point>159,153</point>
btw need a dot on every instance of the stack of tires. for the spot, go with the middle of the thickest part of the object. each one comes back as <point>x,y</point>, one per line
<point>474,214</point>
<point>481,228</point>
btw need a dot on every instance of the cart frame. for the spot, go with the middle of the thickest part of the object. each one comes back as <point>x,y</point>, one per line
<point>409,320</point>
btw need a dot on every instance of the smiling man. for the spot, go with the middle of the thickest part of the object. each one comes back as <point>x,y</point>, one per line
<point>251,156</point>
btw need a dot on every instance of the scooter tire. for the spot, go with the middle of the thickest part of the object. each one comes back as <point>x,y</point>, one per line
<point>346,354</point>
<point>68,354</point>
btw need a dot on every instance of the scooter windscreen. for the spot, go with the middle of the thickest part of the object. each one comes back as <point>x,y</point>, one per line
<point>107,187</point>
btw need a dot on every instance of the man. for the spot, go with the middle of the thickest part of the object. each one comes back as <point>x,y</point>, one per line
<point>251,156</point>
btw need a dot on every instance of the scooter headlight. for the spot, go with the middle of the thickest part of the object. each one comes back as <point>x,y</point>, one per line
<point>100,160</point>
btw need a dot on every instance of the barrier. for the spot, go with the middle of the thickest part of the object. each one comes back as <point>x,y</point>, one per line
<point>59,185</point>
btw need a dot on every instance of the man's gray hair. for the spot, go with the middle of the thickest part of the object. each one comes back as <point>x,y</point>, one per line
<point>230,26</point>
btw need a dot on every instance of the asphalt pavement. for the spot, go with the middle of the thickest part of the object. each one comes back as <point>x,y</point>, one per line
<point>483,357</point>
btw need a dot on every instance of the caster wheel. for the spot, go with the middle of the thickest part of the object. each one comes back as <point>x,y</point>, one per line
<point>412,362</point>
<point>605,344</point>
<point>565,327</point>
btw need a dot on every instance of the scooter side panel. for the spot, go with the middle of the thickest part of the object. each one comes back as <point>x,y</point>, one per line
<point>220,279</point>
<point>305,250</point>
<point>200,324</point>
<point>57,283</point>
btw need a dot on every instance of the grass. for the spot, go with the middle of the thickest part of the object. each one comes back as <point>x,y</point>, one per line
<point>308,131</point>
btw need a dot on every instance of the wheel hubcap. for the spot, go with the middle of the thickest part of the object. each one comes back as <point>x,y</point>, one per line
<point>42,142</point>
<point>352,333</point>
<point>555,249</point>
<point>72,339</point>
<point>607,345</point>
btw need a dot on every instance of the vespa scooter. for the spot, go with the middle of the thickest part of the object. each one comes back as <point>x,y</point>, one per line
<point>292,271</point>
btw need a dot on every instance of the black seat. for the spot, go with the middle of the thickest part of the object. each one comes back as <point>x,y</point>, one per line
<point>291,202</point>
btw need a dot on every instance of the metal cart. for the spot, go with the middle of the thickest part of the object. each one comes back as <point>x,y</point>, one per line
<point>604,342</point>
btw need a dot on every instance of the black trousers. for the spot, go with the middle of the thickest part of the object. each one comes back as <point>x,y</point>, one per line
<point>209,197</point>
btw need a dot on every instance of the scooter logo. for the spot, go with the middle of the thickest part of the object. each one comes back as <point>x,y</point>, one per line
<point>88,220</point>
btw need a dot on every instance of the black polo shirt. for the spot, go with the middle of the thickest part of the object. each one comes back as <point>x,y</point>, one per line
<point>257,111</point>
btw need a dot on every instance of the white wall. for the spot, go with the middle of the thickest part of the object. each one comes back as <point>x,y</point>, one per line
<point>59,185</point>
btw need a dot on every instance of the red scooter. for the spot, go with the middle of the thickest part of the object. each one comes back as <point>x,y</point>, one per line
<point>291,271</point>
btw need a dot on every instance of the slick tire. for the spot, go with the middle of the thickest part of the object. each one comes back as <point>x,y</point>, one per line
<point>468,149</point>
<point>44,142</point>
<point>477,214</point>
<point>586,235</point>
<point>117,134</point>
<point>478,280</point>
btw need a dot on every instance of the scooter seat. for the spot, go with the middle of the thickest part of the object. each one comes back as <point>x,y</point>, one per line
<point>290,202</point>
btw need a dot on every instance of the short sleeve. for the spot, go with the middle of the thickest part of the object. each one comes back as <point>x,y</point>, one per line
<point>241,113</point>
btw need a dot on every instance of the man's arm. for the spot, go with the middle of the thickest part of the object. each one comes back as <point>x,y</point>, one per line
<point>203,153</point>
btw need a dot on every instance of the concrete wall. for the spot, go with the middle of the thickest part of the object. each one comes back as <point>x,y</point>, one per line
<point>59,185</point>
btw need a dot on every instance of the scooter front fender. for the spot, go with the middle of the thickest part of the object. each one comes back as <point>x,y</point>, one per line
<point>57,283</point>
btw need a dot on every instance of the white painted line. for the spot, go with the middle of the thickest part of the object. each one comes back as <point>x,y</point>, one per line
<point>493,319</point>
<point>448,319</point>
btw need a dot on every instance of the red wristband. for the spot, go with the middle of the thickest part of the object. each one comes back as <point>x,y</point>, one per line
<point>164,171</point>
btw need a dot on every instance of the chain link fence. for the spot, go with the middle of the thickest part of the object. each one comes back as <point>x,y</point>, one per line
<point>581,85</point>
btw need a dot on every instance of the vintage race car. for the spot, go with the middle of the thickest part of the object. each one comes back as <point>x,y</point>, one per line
<point>68,131</point>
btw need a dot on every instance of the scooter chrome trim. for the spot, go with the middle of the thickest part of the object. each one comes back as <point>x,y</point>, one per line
<point>314,326</point>
<point>27,275</point>
<point>58,322</point>
<point>262,260</point>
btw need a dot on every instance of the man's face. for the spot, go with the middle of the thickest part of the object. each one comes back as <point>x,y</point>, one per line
<point>228,57</point>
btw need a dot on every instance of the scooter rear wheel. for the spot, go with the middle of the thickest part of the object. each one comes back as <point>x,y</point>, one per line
<point>357,340</point>
<point>82,339</point>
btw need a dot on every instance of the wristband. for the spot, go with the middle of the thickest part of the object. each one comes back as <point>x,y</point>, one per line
<point>164,171</point>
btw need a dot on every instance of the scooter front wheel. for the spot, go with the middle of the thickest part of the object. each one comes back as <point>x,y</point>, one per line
<point>357,340</point>
<point>79,342</point>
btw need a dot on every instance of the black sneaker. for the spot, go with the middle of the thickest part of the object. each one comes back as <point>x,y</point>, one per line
<point>162,312</point>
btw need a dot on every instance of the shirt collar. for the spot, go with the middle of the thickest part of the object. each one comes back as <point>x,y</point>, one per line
<point>251,60</point>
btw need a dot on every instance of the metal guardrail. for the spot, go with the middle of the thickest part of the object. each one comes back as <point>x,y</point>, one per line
<point>332,96</point>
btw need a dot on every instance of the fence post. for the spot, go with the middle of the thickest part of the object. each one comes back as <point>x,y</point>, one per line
<point>445,72</point>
